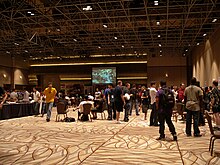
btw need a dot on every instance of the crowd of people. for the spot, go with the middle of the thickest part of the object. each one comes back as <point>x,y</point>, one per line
<point>124,99</point>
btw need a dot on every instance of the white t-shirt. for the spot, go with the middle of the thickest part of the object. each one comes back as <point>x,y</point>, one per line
<point>84,102</point>
<point>26,96</point>
<point>153,93</point>
<point>36,96</point>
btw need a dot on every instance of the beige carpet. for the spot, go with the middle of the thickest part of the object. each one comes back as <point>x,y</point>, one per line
<point>31,140</point>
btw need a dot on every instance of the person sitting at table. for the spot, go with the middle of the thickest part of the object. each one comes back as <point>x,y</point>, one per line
<point>98,107</point>
<point>80,111</point>
<point>14,95</point>
<point>3,96</point>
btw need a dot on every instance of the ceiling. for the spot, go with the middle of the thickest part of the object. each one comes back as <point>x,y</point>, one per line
<point>65,29</point>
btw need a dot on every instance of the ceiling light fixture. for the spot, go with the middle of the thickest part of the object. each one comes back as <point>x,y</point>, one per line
<point>32,13</point>
<point>29,12</point>
<point>4,75</point>
<point>105,26</point>
<point>74,39</point>
<point>99,47</point>
<point>159,45</point>
<point>122,46</point>
<point>214,20</point>
<point>160,51</point>
<point>116,38</point>
<point>7,52</point>
<point>87,8</point>
<point>26,51</point>
<point>197,43</point>
<point>58,29</point>
<point>156,3</point>
<point>204,34</point>
<point>158,35</point>
<point>158,20</point>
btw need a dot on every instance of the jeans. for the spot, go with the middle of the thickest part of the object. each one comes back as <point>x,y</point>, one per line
<point>134,102</point>
<point>112,110</point>
<point>49,107</point>
<point>127,108</point>
<point>36,108</point>
<point>162,118</point>
<point>195,116</point>
<point>154,115</point>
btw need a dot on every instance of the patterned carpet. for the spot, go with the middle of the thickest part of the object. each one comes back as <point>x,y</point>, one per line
<point>32,140</point>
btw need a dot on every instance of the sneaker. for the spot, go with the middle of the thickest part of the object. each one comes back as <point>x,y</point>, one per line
<point>174,138</point>
<point>188,135</point>
<point>48,120</point>
<point>126,120</point>
<point>160,138</point>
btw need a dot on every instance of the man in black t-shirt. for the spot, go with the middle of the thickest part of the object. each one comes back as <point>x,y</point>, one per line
<point>134,100</point>
<point>111,102</point>
<point>119,100</point>
<point>145,98</point>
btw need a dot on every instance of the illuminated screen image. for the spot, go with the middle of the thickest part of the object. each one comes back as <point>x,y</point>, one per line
<point>104,75</point>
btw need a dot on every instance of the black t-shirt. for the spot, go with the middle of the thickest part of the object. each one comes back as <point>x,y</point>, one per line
<point>111,95</point>
<point>146,101</point>
<point>117,94</point>
<point>2,91</point>
<point>134,93</point>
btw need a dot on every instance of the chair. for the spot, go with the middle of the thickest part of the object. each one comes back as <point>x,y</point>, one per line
<point>102,109</point>
<point>215,134</point>
<point>87,110</point>
<point>61,110</point>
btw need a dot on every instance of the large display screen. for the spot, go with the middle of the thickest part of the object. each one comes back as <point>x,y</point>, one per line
<point>104,75</point>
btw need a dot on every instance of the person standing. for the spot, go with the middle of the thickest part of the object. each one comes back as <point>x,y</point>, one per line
<point>106,101</point>
<point>3,96</point>
<point>50,94</point>
<point>36,97</point>
<point>119,100</point>
<point>134,100</point>
<point>154,112</point>
<point>180,95</point>
<point>127,99</point>
<point>111,102</point>
<point>164,104</point>
<point>145,97</point>
<point>26,95</point>
<point>215,103</point>
<point>193,97</point>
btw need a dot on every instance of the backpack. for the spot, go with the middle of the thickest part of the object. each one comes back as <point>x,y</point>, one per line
<point>69,119</point>
<point>167,100</point>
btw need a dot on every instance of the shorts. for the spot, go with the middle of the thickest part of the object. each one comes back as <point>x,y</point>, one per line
<point>119,106</point>
<point>145,108</point>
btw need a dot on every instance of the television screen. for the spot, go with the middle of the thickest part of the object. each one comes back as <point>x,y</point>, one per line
<point>104,75</point>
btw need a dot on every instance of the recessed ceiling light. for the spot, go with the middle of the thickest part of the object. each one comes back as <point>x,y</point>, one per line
<point>204,34</point>
<point>7,52</point>
<point>4,75</point>
<point>161,55</point>
<point>197,43</point>
<point>105,26</point>
<point>159,45</point>
<point>32,13</point>
<point>26,51</point>
<point>160,51</point>
<point>131,46</point>
<point>99,47</point>
<point>186,50</point>
<point>214,20</point>
<point>158,35</point>
<point>29,12</point>
<point>122,46</point>
<point>51,55</point>
<point>87,8</point>
<point>156,3</point>
<point>16,43</point>
<point>74,39</point>
<point>158,22</point>
<point>58,29</point>
<point>116,38</point>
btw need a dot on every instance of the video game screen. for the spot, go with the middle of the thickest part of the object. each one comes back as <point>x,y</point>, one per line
<point>104,75</point>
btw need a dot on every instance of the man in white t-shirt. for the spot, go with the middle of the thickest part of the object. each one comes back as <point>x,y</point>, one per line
<point>154,112</point>
<point>36,97</point>
<point>81,106</point>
